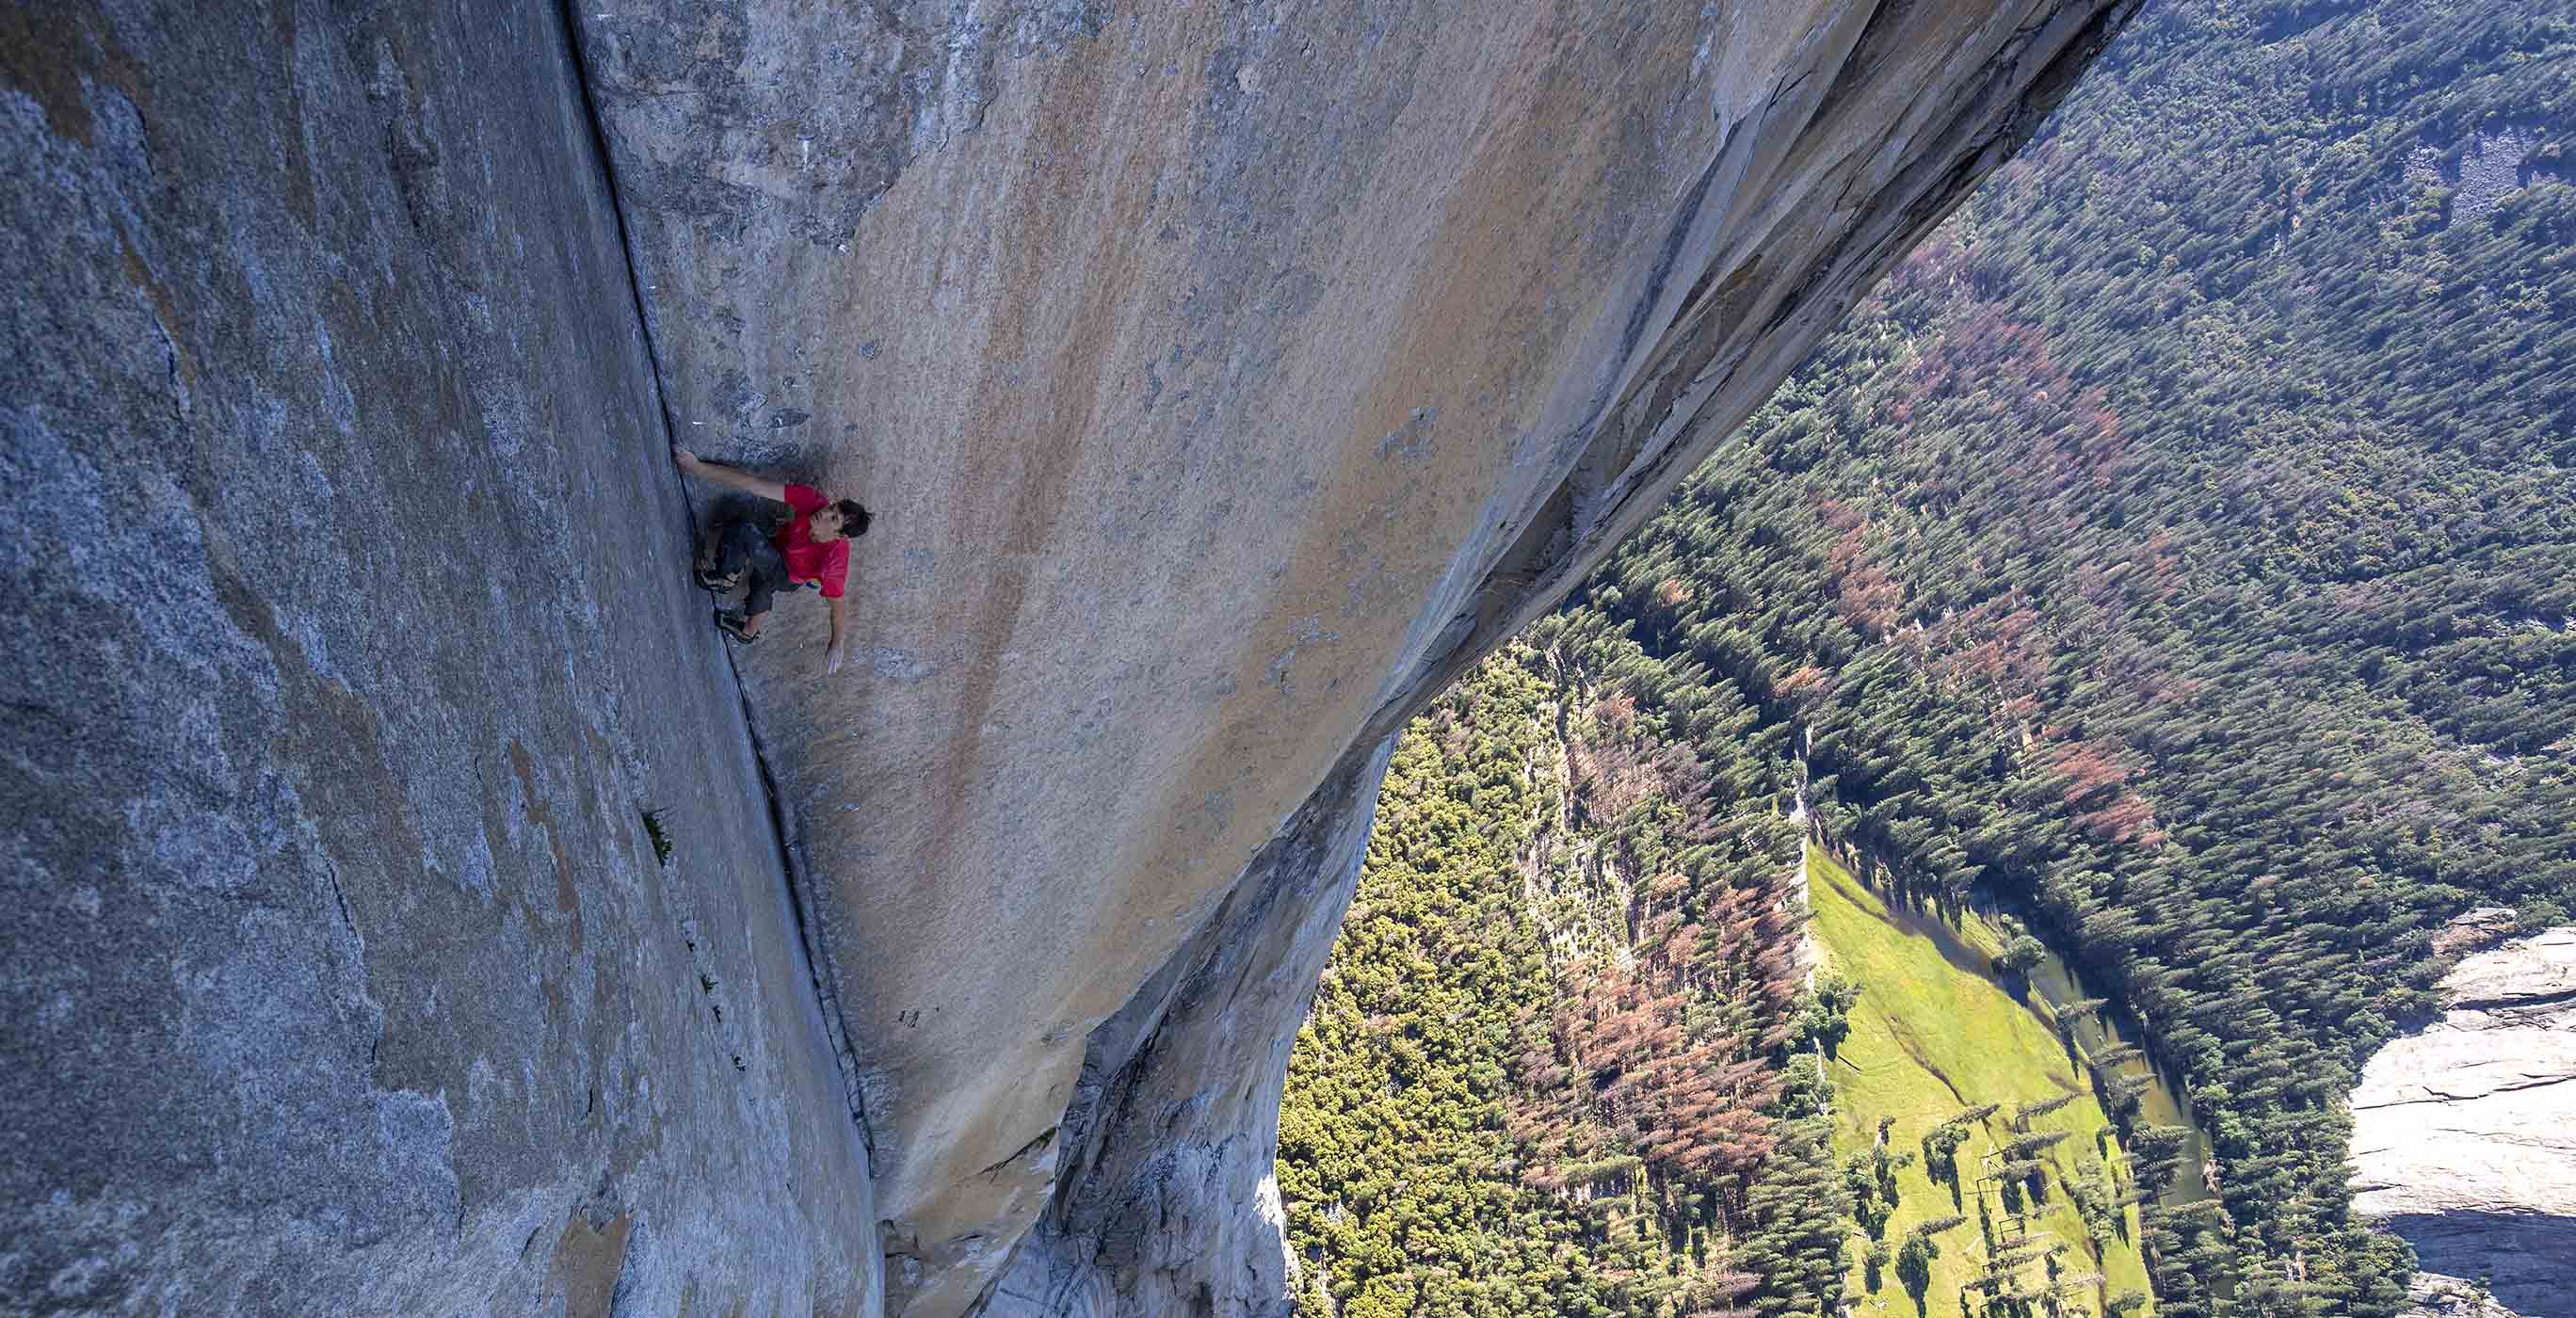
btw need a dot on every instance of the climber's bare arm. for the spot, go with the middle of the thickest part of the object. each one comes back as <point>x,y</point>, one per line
<point>832,655</point>
<point>729,476</point>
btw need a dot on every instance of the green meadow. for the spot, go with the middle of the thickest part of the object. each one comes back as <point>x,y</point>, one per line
<point>1935,1035</point>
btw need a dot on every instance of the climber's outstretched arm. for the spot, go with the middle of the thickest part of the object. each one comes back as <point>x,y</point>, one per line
<point>832,655</point>
<point>721,474</point>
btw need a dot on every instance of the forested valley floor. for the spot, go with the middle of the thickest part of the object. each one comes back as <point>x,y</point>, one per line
<point>2179,548</point>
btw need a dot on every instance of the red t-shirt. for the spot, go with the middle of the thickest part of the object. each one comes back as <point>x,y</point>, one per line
<point>806,559</point>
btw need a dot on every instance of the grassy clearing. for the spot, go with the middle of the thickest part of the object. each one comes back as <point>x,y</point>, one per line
<point>1933,1036</point>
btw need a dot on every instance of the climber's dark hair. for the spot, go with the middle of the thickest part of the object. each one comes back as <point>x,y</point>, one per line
<point>854,519</point>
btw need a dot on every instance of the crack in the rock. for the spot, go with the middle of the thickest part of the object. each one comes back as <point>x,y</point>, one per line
<point>340,894</point>
<point>2443,1098</point>
<point>781,821</point>
<point>1034,1146</point>
<point>2518,1003</point>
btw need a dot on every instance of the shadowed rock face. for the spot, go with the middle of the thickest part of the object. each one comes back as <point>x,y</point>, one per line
<point>1225,377</point>
<point>347,636</point>
<point>2464,1133</point>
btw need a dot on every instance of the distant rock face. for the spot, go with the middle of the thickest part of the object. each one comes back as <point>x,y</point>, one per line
<point>2433,1295</point>
<point>2464,1138</point>
<point>1225,377</point>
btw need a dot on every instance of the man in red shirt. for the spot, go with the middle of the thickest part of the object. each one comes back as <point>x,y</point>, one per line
<point>812,549</point>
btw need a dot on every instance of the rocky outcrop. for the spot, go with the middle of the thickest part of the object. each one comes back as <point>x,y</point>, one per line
<point>1226,377</point>
<point>2464,1134</point>
<point>2432,1295</point>
<point>347,642</point>
<point>2485,166</point>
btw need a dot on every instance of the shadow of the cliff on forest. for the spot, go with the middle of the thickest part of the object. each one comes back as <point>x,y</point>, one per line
<point>2527,1259</point>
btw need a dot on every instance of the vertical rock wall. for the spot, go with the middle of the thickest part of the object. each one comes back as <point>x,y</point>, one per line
<point>347,638</point>
<point>1225,377</point>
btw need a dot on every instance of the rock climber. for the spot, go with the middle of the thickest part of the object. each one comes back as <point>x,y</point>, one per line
<point>811,550</point>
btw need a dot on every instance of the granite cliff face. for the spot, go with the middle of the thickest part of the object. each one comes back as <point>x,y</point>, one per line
<point>2464,1134</point>
<point>348,640</point>
<point>1225,378</point>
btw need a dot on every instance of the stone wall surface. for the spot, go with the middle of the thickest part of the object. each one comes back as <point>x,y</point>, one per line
<point>2464,1134</point>
<point>347,636</point>
<point>1225,377</point>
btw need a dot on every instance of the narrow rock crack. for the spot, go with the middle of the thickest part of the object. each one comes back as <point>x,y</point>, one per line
<point>781,821</point>
<point>2518,1003</point>
<point>2438,1096</point>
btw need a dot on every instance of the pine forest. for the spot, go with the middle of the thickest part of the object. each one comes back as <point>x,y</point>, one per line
<point>1957,857</point>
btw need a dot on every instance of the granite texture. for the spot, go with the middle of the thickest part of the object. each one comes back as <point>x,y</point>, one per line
<point>348,638</point>
<point>1225,378</point>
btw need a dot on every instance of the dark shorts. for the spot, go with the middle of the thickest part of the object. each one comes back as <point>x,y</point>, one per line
<point>745,548</point>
